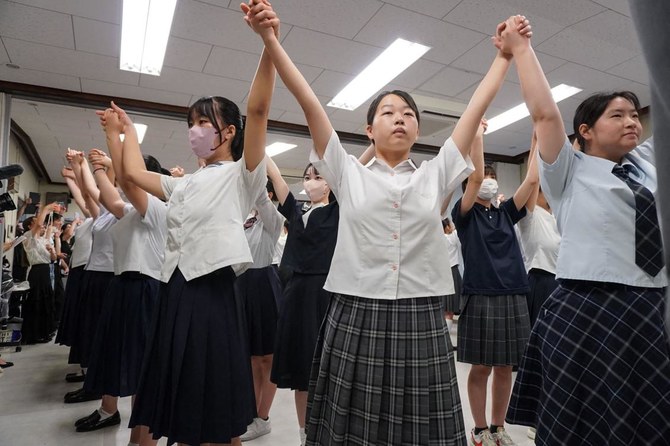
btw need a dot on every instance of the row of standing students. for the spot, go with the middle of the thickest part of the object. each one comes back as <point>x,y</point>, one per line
<point>383,369</point>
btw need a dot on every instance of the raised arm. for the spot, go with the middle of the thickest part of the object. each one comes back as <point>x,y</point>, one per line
<point>113,126</point>
<point>367,155</point>
<point>41,216</point>
<point>78,164</point>
<point>260,16</point>
<point>109,196</point>
<point>134,168</point>
<point>475,179</point>
<point>532,176</point>
<point>68,175</point>
<point>258,109</point>
<point>544,112</point>
<point>278,182</point>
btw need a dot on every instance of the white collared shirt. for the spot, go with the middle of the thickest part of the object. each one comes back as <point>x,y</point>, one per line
<point>139,242</point>
<point>262,236</point>
<point>389,243</point>
<point>540,240</point>
<point>36,249</point>
<point>102,251</point>
<point>205,217</point>
<point>83,240</point>
<point>595,212</point>
<point>453,244</point>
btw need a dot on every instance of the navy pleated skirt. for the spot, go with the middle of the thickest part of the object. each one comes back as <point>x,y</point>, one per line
<point>597,368</point>
<point>304,307</point>
<point>123,330</point>
<point>195,385</point>
<point>258,293</point>
<point>38,308</point>
<point>68,320</point>
<point>94,286</point>
<point>542,283</point>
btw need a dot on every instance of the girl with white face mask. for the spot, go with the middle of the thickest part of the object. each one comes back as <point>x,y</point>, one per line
<point>493,326</point>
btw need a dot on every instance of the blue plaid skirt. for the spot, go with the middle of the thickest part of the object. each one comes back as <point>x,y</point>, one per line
<point>384,374</point>
<point>597,368</point>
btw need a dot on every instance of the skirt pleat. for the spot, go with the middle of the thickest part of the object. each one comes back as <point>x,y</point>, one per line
<point>195,385</point>
<point>542,284</point>
<point>384,374</point>
<point>304,307</point>
<point>38,308</point>
<point>493,330</point>
<point>597,368</point>
<point>94,287</point>
<point>119,344</point>
<point>68,320</point>
<point>452,302</point>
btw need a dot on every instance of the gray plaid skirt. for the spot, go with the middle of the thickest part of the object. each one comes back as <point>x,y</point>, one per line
<point>384,374</point>
<point>493,330</point>
<point>597,368</point>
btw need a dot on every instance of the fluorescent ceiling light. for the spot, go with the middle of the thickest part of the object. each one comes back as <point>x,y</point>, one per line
<point>141,129</point>
<point>144,34</point>
<point>519,112</point>
<point>278,147</point>
<point>387,66</point>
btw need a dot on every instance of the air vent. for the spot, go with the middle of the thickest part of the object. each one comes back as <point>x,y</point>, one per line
<point>433,122</point>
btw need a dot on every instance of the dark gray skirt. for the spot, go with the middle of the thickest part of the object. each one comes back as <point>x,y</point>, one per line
<point>597,368</point>
<point>384,373</point>
<point>493,330</point>
<point>452,302</point>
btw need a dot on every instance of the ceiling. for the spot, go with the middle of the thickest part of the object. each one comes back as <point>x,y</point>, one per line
<point>74,45</point>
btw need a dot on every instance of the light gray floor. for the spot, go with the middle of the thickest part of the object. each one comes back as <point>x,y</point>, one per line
<point>32,411</point>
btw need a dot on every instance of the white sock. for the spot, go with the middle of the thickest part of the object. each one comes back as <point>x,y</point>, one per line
<point>104,415</point>
<point>303,436</point>
<point>450,324</point>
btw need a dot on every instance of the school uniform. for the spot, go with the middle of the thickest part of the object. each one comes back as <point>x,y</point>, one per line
<point>81,251</point>
<point>95,284</point>
<point>129,305</point>
<point>540,239</point>
<point>309,249</point>
<point>258,290</point>
<point>493,326</point>
<point>196,379</point>
<point>597,366</point>
<point>383,369</point>
<point>452,302</point>
<point>38,308</point>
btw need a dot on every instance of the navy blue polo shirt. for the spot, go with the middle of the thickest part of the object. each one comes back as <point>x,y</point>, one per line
<point>492,259</point>
<point>309,249</point>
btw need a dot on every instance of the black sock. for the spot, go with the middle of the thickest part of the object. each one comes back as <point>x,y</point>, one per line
<point>494,428</point>
<point>479,430</point>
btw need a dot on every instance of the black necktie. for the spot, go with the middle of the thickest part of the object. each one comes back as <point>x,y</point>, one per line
<point>648,247</point>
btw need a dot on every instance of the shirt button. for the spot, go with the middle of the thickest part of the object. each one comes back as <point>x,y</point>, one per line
<point>392,174</point>
<point>395,204</point>
<point>395,236</point>
<point>394,267</point>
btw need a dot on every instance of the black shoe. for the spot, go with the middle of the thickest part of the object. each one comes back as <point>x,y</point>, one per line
<point>75,377</point>
<point>73,393</point>
<point>82,397</point>
<point>87,418</point>
<point>94,423</point>
<point>6,365</point>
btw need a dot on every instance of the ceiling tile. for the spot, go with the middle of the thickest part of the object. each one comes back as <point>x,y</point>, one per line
<point>634,69</point>
<point>342,55</point>
<point>329,83</point>
<point>588,79</point>
<point>35,25</point>
<point>70,62</point>
<point>105,10</point>
<point>611,27</point>
<point>565,12</point>
<point>451,81</point>
<point>620,6</point>
<point>41,78</point>
<point>469,14</point>
<point>4,57</point>
<point>294,118</point>
<point>186,54</point>
<point>197,84</point>
<point>97,37</point>
<point>586,50</point>
<point>417,73</point>
<point>509,96</point>
<point>134,92</point>
<point>327,16</point>
<point>215,25</point>
<point>447,41</point>
<point>433,8</point>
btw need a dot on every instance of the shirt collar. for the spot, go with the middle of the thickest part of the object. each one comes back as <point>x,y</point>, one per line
<point>406,166</point>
